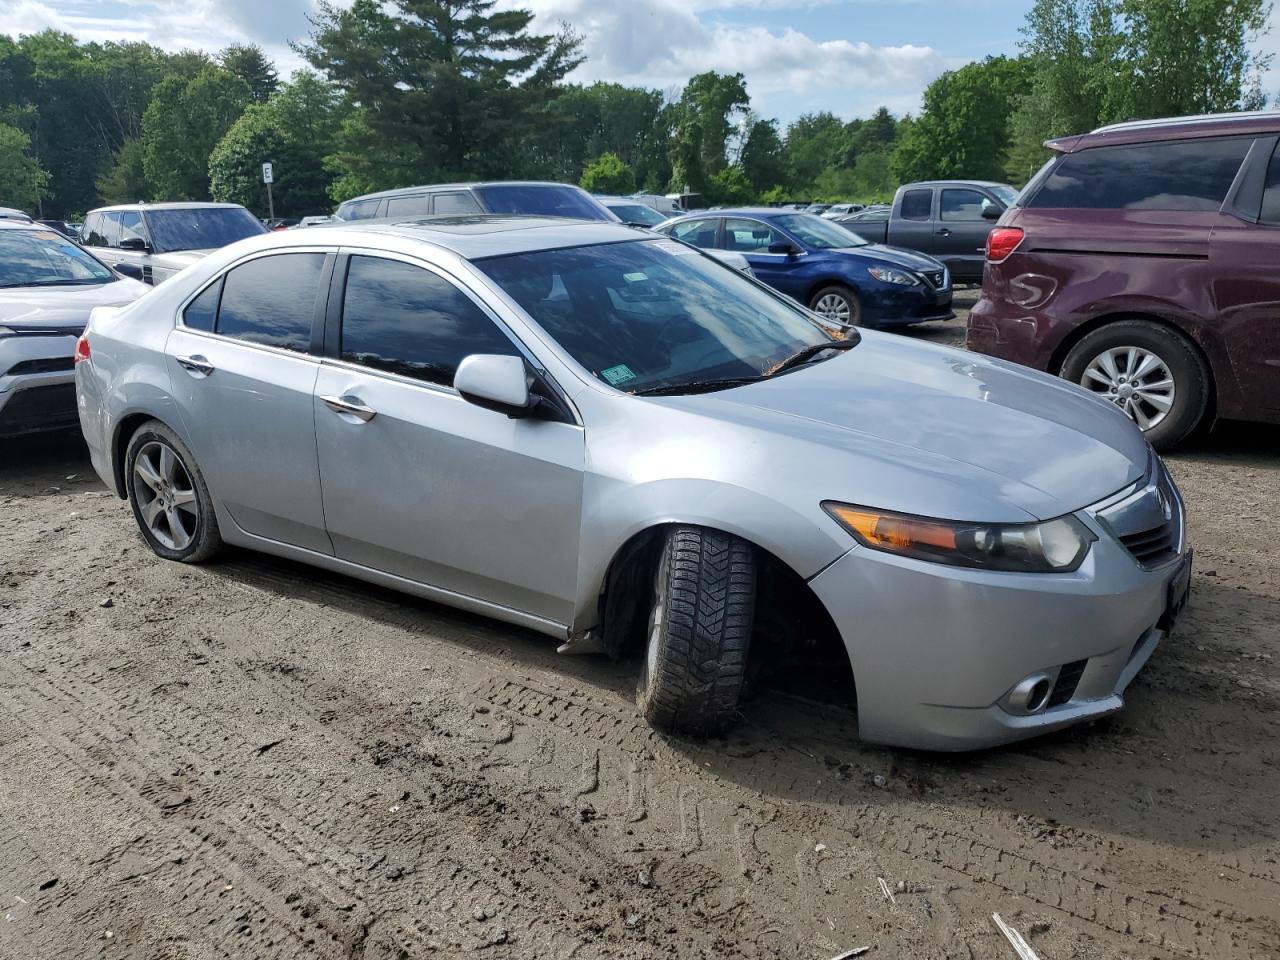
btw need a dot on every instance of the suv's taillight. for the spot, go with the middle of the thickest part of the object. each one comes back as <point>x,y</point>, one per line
<point>82,348</point>
<point>1001,242</point>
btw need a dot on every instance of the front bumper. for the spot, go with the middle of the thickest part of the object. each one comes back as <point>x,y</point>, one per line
<point>892,305</point>
<point>37,384</point>
<point>935,650</point>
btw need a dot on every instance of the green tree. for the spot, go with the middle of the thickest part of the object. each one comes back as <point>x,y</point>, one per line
<point>180,128</point>
<point>22,181</point>
<point>250,64</point>
<point>585,122</point>
<point>730,186</point>
<point>125,179</point>
<point>963,130</point>
<point>711,107</point>
<point>447,88</point>
<point>763,158</point>
<point>608,174</point>
<point>815,141</point>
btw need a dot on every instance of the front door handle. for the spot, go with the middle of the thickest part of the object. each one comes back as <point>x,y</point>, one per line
<point>195,364</point>
<point>944,232</point>
<point>350,405</point>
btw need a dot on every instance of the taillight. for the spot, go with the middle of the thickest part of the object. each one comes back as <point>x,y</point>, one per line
<point>1001,242</point>
<point>82,348</point>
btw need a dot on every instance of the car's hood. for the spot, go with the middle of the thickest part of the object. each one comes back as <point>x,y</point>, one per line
<point>63,307</point>
<point>943,432</point>
<point>895,256</point>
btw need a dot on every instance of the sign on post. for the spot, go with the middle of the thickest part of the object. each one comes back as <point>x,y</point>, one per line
<point>268,175</point>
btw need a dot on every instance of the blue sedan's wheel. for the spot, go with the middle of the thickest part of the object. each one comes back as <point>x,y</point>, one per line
<point>837,304</point>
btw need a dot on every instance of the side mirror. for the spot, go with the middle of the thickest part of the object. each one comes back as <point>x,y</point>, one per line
<point>131,270</point>
<point>991,211</point>
<point>790,249</point>
<point>134,243</point>
<point>496,383</point>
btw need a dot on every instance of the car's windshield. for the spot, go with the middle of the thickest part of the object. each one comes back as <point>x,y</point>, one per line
<point>816,232</point>
<point>200,228</point>
<point>638,213</point>
<point>45,258</point>
<point>654,313</point>
<point>1005,194</point>
<point>541,199</point>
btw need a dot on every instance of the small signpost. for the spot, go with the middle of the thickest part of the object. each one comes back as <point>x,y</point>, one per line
<point>268,176</point>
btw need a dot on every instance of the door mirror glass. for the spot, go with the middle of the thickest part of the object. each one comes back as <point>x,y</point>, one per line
<point>990,211</point>
<point>784,246</point>
<point>133,243</point>
<point>131,270</point>
<point>495,382</point>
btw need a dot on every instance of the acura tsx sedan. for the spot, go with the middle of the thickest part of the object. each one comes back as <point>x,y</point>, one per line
<point>612,439</point>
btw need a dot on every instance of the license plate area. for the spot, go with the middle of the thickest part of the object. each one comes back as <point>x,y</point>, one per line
<point>1177,594</point>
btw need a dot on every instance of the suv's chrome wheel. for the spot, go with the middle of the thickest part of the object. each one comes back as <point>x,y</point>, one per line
<point>1136,380</point>
<point>166,496</point>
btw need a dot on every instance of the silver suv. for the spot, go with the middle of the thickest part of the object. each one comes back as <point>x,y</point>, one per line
<point>610,438</point>
<point>519,197</point>
<point>153,241</point>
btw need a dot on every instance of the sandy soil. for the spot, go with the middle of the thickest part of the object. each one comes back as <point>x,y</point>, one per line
<point>252,759</point>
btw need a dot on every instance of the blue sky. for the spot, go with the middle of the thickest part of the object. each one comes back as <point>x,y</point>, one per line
<point>799,56</point>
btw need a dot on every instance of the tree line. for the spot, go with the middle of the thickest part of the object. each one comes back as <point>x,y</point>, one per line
<point>421,91</point>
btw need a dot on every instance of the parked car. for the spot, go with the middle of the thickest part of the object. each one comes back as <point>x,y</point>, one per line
<point>280,223</point>
<point>824,266</point>
<point>604,437</point>
<point>817,208</point>
<point>153,241</point>
<point>1141,264</point>
<point>315,220</point>
<point>48,285</point>
<point>10,213</point>
<point>664,205</point>
<point>64,228</point>
<point>520,197</point>
<point>840,210</point>
<point>947,219</point>
<point>634,213</point>
<point>866,215</point>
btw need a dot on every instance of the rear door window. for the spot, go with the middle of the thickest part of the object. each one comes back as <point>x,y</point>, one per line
<point>1271,192</point>
<point>110,229</point>
<point>131,225</point>
<point>1173,175</point>
<point>456,202</point>
<point>271,300</point>
<point>749,236</point>
<point>917,204</point>
<point>700,232</point>
<point>406,320</point>
<point>360,210</point>
<point>92,231</point>
<point>418,205</point>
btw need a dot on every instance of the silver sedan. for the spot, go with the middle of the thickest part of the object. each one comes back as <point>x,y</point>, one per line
<point>614,440</point>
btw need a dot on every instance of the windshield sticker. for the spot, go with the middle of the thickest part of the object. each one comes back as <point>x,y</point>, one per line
<point>619,374</point>
<point>678,249</point>
<point>635,277</point>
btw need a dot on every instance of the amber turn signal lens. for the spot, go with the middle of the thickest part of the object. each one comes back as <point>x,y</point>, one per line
<point>892,532</point>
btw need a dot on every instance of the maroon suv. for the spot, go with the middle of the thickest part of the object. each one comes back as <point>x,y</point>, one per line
<point>1143,262</point>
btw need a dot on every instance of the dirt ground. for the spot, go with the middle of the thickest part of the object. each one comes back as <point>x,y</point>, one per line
<point>253,759</point>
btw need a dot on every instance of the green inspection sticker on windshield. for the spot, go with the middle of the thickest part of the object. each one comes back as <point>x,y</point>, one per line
<point>619,374</point>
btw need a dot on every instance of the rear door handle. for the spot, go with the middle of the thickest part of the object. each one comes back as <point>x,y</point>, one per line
<point>195,364</point>
<point>350,405</point>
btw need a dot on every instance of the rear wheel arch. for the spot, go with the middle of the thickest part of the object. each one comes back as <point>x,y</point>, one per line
<point>126,427</point>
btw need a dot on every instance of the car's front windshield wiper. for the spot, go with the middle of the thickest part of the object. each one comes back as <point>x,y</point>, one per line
<point>808,353</point>
<point>86,281</point>
<point>696,386</point>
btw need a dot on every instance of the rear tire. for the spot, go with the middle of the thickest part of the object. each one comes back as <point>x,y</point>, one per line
<point>169,497</point>
<point>1173,389</point>
<point>838,304</point>
<point>699,631</point>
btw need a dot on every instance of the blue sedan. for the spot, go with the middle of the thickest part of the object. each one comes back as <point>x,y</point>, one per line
<point>826,267</point>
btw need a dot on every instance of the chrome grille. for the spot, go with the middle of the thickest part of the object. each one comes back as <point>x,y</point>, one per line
<point>1148,520</point>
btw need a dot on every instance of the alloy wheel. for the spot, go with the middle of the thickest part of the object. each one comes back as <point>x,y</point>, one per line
<point>833,307</point>
<point>1136,380</point>
<point>165,495</point>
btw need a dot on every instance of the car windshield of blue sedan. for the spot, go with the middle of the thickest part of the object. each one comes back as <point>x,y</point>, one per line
<point>652,314</point>
<point>44,258</point>
<point>817,232</point>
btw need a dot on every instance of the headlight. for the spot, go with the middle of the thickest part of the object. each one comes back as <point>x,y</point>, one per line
<point>1052,546</point>
<point>892,276</point>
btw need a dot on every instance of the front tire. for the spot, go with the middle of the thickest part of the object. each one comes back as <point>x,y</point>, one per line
<point>699,631</point>
<point>837,304</point>
<point>169,497</point>
<point>1150,372</point>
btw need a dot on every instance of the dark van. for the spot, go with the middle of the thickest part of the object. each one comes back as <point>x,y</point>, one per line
<point>1143,263</point>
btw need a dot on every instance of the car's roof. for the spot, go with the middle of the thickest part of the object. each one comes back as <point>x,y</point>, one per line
<point>13,213</point>
<point>15,224</point>
<point>401,191</point>
<point>169,205</point>
<point>475,236</point>
<point>1250,123</point>
<point>952,183</point>
<point>742,211</point>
